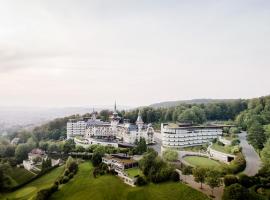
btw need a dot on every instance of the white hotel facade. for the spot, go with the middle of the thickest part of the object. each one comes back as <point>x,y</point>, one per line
<point>94,131</point>
<point>186,135</point>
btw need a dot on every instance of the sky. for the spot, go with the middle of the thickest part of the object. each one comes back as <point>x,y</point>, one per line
<point>92,52</point>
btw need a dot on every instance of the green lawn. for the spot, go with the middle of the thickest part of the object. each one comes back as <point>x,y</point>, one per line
<point>201,161</point>
<point>224,149</point>
<point>108,187</point>
<point>132,172</point>
<point>20,175</point>
<point>29,191</point>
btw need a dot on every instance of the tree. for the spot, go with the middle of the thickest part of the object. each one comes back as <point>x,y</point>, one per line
<point>9,151</point>
<point>69,146</point>
<point>245,180</point>
<point>43,145</point>
<point>97,158</point>
<point>199,174</point>
<point>266,154</point>
<point>235,142</point>
<point>187,170</point>
<point>4,180</point>
<point>147,161</point>
<point>80,149</point>
<point>170,155</point>
<point>53,148</point>
<point>46,164</point>
<point>104,115</point>
<point>256,135</point>
<point>267,130</point>
<point>194,114</point>
<point>21,152</point>
<point>71,165</point>
<point>141,181</point>
<point>234,130</point>
<point>235,192</point>
<point>141,147</point>
<point>213,179</point>
<point>154,168</point>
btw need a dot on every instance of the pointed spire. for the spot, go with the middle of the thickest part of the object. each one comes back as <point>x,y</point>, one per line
<point>114,106</point>
<point>94,114</point>
<point>139,119</point>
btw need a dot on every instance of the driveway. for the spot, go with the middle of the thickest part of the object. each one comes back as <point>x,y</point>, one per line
<point>158,142</point>
<point>252,158</point>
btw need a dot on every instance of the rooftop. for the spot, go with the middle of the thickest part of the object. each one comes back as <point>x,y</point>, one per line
<point>191,126</point>
<point>121,159</point>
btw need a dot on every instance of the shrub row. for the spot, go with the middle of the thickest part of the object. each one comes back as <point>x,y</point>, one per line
<point>236,166</point>
<point>44,194</point>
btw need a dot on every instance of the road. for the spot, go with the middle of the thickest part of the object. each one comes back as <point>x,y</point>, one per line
<point>252,158</point>
<point>157,145</point>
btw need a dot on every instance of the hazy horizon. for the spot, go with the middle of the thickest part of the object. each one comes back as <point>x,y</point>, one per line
<point>82,53</point>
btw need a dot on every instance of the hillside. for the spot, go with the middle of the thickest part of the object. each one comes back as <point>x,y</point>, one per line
<point>168,104</point>
<point>85,186</point>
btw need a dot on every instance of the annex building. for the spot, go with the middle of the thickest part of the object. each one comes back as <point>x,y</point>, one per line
<point>187,135</point>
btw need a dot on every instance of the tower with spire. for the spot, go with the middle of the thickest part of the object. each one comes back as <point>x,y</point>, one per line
<point>115,119</point>
<point>94,115</point>
<point>139,122</point>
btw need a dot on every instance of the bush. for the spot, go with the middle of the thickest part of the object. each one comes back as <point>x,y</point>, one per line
<point>141,181</point>
<point>230,179</point>
<point>236,166</point>
<point>234,130</point>
<point>72,165</point>
<point>96,159</point>
<point>245,181</point>
<point>66,172</point>
<point>175,177</point>
<point>235,142</point>
<point>54,188</point>
<point>65,179</point>
<point>235,192</point>
<point>70,175</point>
<point>220,143</point>
<point>235,150</point>
<point>170,155</point>
<point>44,194</point>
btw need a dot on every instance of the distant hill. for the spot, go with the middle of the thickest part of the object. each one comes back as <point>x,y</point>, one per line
<point>167,104</point>
<point>18,117</point>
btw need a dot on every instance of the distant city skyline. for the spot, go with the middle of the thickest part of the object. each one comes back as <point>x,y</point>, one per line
<point>83,53</point>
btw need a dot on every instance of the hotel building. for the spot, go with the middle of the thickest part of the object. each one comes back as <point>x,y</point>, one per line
<point>95,131</point>
<point>186,135</point>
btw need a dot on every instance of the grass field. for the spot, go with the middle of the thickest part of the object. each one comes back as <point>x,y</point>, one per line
<point>108,187</point>
<point>132,172</point>
<point>29,191</point>
<point>224,149</point>
<point>201,161</point>
<point>20,175</point>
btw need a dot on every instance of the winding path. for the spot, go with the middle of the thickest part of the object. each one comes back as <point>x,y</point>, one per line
<point>252,158</point>
<point>189,180</point>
